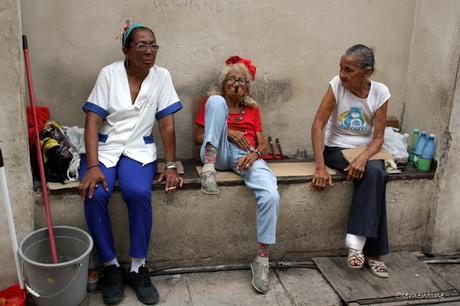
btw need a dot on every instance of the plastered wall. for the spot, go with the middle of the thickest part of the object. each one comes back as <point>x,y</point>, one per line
<point>295,44</point>
<point>13,138</point>
<point>432,103</point>
<point>433,65</point>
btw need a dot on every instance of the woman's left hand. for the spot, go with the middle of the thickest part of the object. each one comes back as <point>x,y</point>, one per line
<point>246,162</point>
<point>172,179</point>
<point>356,168</point>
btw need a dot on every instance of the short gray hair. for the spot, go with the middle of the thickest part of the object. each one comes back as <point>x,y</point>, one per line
<point>365,55</point>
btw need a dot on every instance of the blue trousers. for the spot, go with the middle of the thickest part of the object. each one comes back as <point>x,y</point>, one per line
<point>368,214</point>
<point>135,183</point>
<point>259,178</point>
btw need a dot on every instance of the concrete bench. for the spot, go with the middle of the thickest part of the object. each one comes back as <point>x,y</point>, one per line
<point>191,228</point>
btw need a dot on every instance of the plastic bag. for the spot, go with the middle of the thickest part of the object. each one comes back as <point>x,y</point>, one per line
<point>75,135</point>
<point>58,153</point>
<point>395,144</point>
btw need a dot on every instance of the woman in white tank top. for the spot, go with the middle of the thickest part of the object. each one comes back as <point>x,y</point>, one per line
<point>353,113</point>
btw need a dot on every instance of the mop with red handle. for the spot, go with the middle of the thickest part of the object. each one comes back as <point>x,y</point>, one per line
<point>39,151</point>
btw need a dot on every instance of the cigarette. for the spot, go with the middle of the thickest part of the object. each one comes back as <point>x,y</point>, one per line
<point>171,188</point>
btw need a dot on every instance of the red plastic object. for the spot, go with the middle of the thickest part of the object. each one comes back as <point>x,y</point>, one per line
<point>43,115</point>
<point>13,296</point>
<point>271,157</point>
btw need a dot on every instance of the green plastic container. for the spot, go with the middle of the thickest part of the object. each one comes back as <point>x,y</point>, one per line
<point>423,165</point>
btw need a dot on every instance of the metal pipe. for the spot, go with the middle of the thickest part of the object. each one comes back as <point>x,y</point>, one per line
<point>441,260</point>
<point>230,267</point>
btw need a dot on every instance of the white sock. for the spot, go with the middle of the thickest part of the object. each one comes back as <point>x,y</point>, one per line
<point>136,263</point>
<point>114,261</point>
<point>355,242</point>
<point>209,167</point>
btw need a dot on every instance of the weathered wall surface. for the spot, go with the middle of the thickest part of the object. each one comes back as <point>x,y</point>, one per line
<point>295,44</point>
<point>193,228</point>
<point>447,229</point>
<point>432,103</point>
<point>433,66</point>
<point>13,139</point>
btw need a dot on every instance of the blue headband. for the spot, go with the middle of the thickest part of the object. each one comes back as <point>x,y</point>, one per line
<point>129,30</point>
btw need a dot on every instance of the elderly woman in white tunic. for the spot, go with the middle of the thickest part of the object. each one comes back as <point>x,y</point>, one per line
<point>120,113</point>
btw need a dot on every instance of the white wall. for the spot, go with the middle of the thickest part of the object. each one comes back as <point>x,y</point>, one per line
<point>296,46</point>
<point>13,139</point>
<point>433,103</point>
<point>433,66</point>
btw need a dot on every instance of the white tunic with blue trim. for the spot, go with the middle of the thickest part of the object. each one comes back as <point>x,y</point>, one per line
<point>127,127</point>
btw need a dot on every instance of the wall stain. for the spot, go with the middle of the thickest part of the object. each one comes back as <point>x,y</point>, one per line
<point>199,88</point>
<point>444,145</point>
<point>207,6</point>
<point>272,90</point>
<point>265,92</point>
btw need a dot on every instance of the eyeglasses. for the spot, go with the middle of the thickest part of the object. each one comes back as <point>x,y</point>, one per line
<point>144,47</point>
<point>232,81</point>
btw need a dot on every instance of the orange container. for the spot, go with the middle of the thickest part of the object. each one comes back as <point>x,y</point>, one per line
<point>13,296</point>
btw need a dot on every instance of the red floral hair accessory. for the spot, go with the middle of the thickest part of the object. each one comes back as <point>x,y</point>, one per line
<point>124,28</point>
<point>247,62</point>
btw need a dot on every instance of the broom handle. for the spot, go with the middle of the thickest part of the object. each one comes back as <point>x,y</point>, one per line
<point>9,215</point>
<point>39,151</point>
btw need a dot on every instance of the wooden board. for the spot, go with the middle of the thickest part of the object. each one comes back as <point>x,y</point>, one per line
<point>295,169</point>
<point>449,272</point>
<point>70,185</point>
<point>351,154</point>
<point>279,169</point>
<point>408,275</point>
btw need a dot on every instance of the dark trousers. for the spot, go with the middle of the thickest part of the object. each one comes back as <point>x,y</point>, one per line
<point>368,216</point>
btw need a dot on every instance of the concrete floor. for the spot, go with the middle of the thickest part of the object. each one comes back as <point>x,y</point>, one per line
<point>300,286</point>
<point>294,286</point>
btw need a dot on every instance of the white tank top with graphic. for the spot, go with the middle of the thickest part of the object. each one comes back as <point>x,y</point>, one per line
<point>351,123</point>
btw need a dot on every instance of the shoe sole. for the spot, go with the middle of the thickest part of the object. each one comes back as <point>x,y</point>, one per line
<point>113,301</point>
<point>355,267</point>
<point>152,302</point>
<point>378,274</point>
<point>207,192</point>
<point>253,285</point>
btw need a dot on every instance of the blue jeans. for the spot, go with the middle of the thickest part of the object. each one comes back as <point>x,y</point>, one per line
<point>135,184</point>
<point>259,178</point>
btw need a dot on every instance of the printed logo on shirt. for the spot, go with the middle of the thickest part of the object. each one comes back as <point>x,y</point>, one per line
<point>354,120</point>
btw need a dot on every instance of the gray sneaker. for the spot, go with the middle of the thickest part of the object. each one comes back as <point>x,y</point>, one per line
<point>260,268</point>
<point>208,182</point>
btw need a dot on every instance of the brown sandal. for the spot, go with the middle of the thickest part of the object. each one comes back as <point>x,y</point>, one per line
<point>378,268</point>
<point>355,256</point>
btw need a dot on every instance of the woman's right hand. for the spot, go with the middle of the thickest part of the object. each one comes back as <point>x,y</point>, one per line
<point>239,139</point>
<point>321,179</point>
<point>90,181</point>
